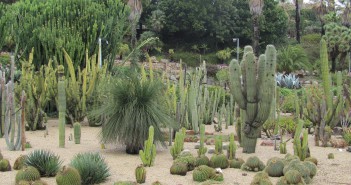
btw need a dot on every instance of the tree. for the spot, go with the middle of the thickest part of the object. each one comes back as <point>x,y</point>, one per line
<point>256,7</point>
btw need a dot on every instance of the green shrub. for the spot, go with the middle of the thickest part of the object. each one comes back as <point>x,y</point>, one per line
<point>288,104</point>
<point>210,58</point>
<point>347,136</point>
<point>287,124</point>
<point>91,167</point>
<point>212,70</point>
<point>310,43</point>
<point>190,59</point>
<point>292,58</point>
<point>47,163</point>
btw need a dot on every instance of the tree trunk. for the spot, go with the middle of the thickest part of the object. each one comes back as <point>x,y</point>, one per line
<point>249,143</point>
<point>297,20</point>
<point>316,136</point>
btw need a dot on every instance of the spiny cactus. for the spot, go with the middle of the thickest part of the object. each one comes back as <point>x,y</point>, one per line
<point>203,173</point>
<point>27,174</point>
<point>219,161</point>
<point>236,163</point>
<point>282,148</point>
<point>77,132</point>
<point>288,158</point>
<point>312,159</point>
<point>257,80</point>
<point>61,105</point>
<point>179,168</point>
<point>19,163</point>
<point>149,153</point>
<point>202,160</point>
<point>301,149</point>
<point>293,177</point>
<point>156,183</point>
<point>261,178</point>
<point>231,148</point>
<point>188,159</point>
<point>253,163</point>
<point>178,143</point>
<point>68,176</point>
<point>275,167</point>
<point>300,167</point>
<point>140,174</point>
<point>311,167</point>
<point>202,150</point>
<point>218,144</point>
<point>5,165</point>
<point>330,156</point>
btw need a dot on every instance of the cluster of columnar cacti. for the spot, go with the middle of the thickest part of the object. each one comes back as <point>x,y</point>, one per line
<point>68,176</point>
<point>77,132</point>
<point>178,143</point>
<point>203,173</point>
<point>253,163</point>
<point>202,149</point>
<point>252,85</point>
<point>140,174</point>
<point>148,154</point>
<point>12,121</point>
<point>61,105</point>
<point>301,144</point>
<point>321,109</point>
<point>231,147</point>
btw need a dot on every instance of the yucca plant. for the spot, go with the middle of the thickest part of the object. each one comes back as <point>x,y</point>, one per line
<point>46,162</point>
<point>91,167</point>
<point>132,106</point>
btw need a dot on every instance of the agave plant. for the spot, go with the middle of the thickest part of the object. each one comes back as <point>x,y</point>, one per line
<point>91,167</point>
<point>289,81</point>
<point>131,107</point>
<point>46,162</point>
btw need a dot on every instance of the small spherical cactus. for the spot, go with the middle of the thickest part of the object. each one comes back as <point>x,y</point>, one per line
<point>236,163</point>
<point>312,159</point>
<point>275,167</point>
<point>27,173</point>
<point>19,163</point>
<point>261,178</point>
<point>312,168</point>
<point>219,161</point>
<point>253,164</point>
<point>202,160</point>
<point>68,176</point>
<point>293,177</point>
<point>140,174</point>
<point>179,168</point>
<point>5,165</point>
<point>330,156</point>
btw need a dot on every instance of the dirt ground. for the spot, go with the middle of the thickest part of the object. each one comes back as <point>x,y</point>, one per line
<point>122,166</point>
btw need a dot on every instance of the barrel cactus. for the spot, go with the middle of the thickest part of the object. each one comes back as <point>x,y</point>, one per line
<point>140,174</point>
<point>39,182</point>
<point>275,167</point>
<point>203,173</point>
<point>68,176</point>
<point>5,165</point>
<point>330,156</point>
<point>19,163</point>
<point>188,159</point>
<point>252,84</point>
<point>219,161</point>
<point>311,167</point>
<point>300,167</point>
<point>27,174</point>
<point>253,163</point>
<point>202,160</point>
<point>125,183</point>
<point>293,177</point>
<point>312,159</point>
<point>261,178</point>
<point>179,168</point>
<point>236,163</point>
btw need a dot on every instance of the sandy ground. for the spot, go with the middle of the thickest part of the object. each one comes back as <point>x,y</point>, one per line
<point>122,166</point>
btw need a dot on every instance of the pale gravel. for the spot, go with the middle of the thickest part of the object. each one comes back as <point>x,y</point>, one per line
<point>122,165</point>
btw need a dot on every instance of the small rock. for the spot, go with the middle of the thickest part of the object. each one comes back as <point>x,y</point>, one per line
<point>338,143</point>
<point>307,82</point>
<point>348,149</point>
<point>164,60</point>
<point>314,82</point>
<point>215,120</point>
<point>153,59</point>
<point>267,143</point>
<point>209,133</point>
<point>211,151</point>
<point>197,146</point>
<point>244,174</point>
<point>173,78</point>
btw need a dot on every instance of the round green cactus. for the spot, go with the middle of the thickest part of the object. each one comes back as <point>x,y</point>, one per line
<point>202,160</point>
<point>219,161</point>
<point>27,174</point>
<point>298,166</point>
<point>289,157</point>
<point>179,168</point>
<point>275,167</point>
<point>282,181</point>
<point>261,178</point>
<point>253,164</point>
<point>140,174</point>
<point>5,165</point>
<point>156,183</point>
<point>189,160</point>
<point>68,176</point>
<point>125,183</point>
<point>293,177</point>
<point>19,163</point>
<point>236,163</point>
<point>203,173</point>
<point>39,182</point>
<point>199,176</point>
<point>312,168</point>
<point>330,156</point>
<point>1,157</point>
<point>312,159</point>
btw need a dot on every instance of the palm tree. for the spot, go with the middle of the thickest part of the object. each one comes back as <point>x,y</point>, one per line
<point>321,9</point>
<point>297,18</point>
<point>256,7</point>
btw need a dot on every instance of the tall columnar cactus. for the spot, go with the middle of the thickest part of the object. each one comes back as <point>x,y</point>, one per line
<point>61,105</point>
<point>202,149</point>
<point>178,143</point>
<point>320,108</point>
<point>231,148</point>
<point>252,85</point>
<point>218,145</point>
<point>149,153</point>
<point>77,132</point>
<point>301,145</point>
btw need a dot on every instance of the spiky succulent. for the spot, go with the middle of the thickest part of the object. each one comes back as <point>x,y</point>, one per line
<point>236,163</point>
<point>189,159</point>
<point>5,165</point>
<point>261,178</point>
<point>202,160</point>
<point>312,159</point>
<point>275,167</point>
<point>27,173</point>
<point>19,163</point>
<point>47,163</point>
<point>253,163</point>
<point>125,183</point>
<point>179,168</point>
<point>140,174</point>
<point>68,176</point>
<point>91,167</point>
<point>219,161</point>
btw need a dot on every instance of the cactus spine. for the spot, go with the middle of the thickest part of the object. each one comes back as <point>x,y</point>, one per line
<point>140,174</point>
<point>61,105</point>
<point>149,153</point>
<point>202,150</point>
<point>253,92</point>
<point>77,132</point>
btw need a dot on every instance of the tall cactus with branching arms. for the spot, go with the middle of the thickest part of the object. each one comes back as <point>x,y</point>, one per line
<point>252,85</point>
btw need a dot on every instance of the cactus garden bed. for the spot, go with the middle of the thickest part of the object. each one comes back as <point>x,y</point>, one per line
<point>122,165</point>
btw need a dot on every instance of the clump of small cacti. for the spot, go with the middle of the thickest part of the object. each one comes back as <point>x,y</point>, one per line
<point>275,167</point>
<point>311,167</point>
<point>68,176</point>
<point>293,177</point>
<point>300,167</point>
<point>312,159</point>
<point>231,148</point>
<point>218,145</point>
<point>188,159</point>
<point>261,178</point>
<point>125,183</point>
<point>5,165</point>
<point>140,174</point>
<point>203,173</point>
<point>330,156</point>
<point>27,173</point>
<point>19,163</point>
<point>178,146</point>
<point>289,157</point>
<point>236,163</point>
<point>219,161</point>
<point>37,182</point>
<point>179,168</point>
<point>77,132</point>
<point>253,164</point>
<point>202,160</point>
<point>149,153</point>
<point>202,149</point>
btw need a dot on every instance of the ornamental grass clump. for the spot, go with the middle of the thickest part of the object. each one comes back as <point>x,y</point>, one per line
<point>91,167</point>
<point>46,162</point>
